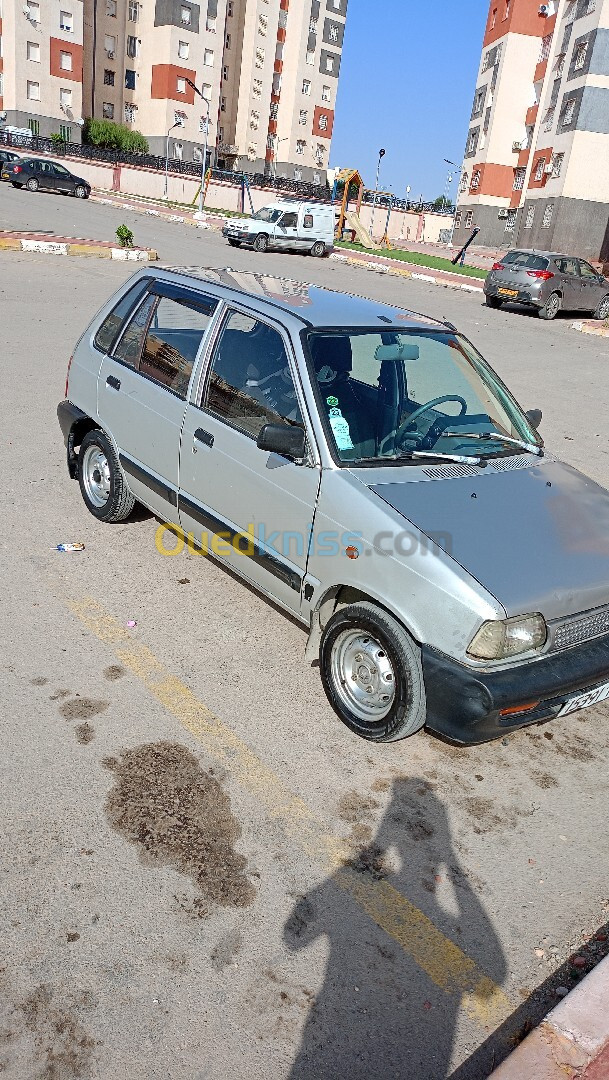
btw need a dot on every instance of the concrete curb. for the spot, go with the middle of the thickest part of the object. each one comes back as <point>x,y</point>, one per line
<point>590,327</point>
<point>572,1041</point>
<point>384,267</point>
<point>138,207</point>
<point>65,245</point>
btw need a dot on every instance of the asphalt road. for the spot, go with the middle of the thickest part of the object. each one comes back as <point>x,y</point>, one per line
<point>204,875</point>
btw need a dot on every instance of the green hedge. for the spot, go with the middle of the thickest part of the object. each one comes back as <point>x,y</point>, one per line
<point>114,136</point>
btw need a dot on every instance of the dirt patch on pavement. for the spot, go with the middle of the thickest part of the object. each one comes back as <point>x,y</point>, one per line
<point>179,816</point>
<point>82,708</point>
<point>226,949</point>
<point>114,672</point>
<point>84,733</point>
<point>64,1048</point>
<point>352,807</point>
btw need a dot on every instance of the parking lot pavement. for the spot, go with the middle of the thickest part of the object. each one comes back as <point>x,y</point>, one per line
<point>320,906</point>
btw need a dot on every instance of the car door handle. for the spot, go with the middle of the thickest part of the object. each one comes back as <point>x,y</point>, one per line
<point>113,382</point>
<point>203,436</point>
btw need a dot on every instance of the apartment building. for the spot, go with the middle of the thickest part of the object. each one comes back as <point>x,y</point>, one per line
<point>535,170</point>
<point>41,66</point>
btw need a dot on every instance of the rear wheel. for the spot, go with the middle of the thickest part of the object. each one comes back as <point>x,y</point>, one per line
<point>81,192</point>
<point>261,242</point>
<point>493,301</point>
<point>233,243</point>
<point>101,479</point>
<point>372,674</point>
<point>551,307</point>
<point>602,311</point>
<point>319,249</point>
<point>32,184</point>
<point>16,185</point>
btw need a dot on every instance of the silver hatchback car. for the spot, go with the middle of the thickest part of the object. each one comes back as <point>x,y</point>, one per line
<point>547,281</point>
<point>364,468</point>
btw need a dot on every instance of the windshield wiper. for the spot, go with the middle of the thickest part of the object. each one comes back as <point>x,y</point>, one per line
<point>507,439</point>
<point>412,455</point>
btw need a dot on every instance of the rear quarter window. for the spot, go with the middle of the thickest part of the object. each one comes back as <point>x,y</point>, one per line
<point>113,324</point>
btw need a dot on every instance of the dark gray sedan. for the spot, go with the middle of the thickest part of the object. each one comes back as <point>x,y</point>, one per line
<point>547,281</point>
<point>37,174</point>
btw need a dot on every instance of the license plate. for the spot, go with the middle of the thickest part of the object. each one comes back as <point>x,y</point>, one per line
<point>508,292</point>
<point>583,701</point>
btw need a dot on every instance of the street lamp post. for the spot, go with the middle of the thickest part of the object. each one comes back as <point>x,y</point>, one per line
<point>284,138</point>
<point>376,187</point>
<point>199,213</point>
<point>449,179</point>
<point>167,155</point>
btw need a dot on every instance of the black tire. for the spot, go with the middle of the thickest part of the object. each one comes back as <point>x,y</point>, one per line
<point>551,307</point>
<point>493,302</point>
<point>318,250</point>
<point>261,242</point>
<point>16,185</point>
<point>119,502</point>
<point>234,243</point>
<point>32,184</point>
<point>387,645</point>
<point>602,311</point>
<point>80,192</point>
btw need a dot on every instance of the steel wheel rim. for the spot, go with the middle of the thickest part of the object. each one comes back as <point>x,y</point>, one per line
<point>96,476</point>
<point>553,305</point>
<point>363,675</point>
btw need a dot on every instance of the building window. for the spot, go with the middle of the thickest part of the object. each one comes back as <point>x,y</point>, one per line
<point>65,98</point>
<point>254,119</point>
<point>306,86</point>
<point>469,217</point>
<point>319,154</point>
<point>34,15</point>
<point>33,90</point>
<point>310,57</point>
<point>132,49</point>
<point>458,217</point>
<point>540,166</point>
<point>579,57</point>
<point>185,15</point>
<point>323,122</point>
<point>179,118</point>
<point>206,91</point>
<point>263,23</point>
<point>463,182</point>
<point>252,152</point>
<point>329,63</point>
<point>567,112</point>
<point>224,73</point>
<point>210,24</point>
<point>519,175</point>
<point>544,51</point>
<point>475,184</point>
<point>548,120</point>
<point>108,77</point>
<point>334,33</point>
<point>33,51</point>
<point>560,64</point>
<point>66,20</point>
<point>34,126</point>
<point>270,142</point>
<point>478,102</point>
<point>229,9</point>
<point>302,117</point>
<point>111,9</point>
<point>260,58</point>
<point>298,174</point>
<point>130,114</point>
<point>110,45</point>
<point>472,142</point>
<point>590,7</point>
<point>202,123</point>
<point>325,93</point>
<point>180,86</point>
<point>129,79</point>
<point>133,11</point>
<point>316,178</point>
<point>557,161</point>
<point>493,19</point>
<point>276,85</point>
<point>108,110</point>
<point>300,146</point>
<point>65,61</point>
<point>208,57</point>
<point>178,150</point>
<point>283,20</point>
<point>510,221</point>
<point>66,132</point>
<point>274,111</point>
<point>222,104</point>
<point>547,216</point>
<point>257,87</point>
<point>183,50</point>
<point>488,60</point>
<point>530,218</point>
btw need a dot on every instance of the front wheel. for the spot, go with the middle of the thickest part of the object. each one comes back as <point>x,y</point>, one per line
<point>81,192</point>
<point>32,184</point>
<point>551,307</point>
<point>102,484</point>
<point>319,249</point>
<point>602,311</point>
<point>493,302</point>
<point>372,674</point>
<point>261,242</point>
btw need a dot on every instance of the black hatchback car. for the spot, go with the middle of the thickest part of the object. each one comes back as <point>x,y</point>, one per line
<point>37,173</point>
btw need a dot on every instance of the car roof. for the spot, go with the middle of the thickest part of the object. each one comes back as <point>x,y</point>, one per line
<point>546,254</point>
<point>312,304</point>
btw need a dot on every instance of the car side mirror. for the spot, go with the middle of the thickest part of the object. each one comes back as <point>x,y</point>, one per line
<point>534,416</point>
<point>290,442</point>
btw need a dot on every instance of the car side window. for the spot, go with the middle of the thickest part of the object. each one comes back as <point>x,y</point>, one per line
<point>60,171</point>
<point>113,323</point>
<point>250,383</point>
<point>586,270</point>
<point>130,344</point>
<point>568,266</point>
<point>172,342</point>
<point>289,221</point>
<point>308,221</point>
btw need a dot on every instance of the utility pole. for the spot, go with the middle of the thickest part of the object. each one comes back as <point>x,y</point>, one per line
<point>376,187</point>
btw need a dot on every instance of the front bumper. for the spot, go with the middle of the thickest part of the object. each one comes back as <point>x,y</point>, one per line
<point>464,703</point>
<point>236,234</point>
<point>524,295</point>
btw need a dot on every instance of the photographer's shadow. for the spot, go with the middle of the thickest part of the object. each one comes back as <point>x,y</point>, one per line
<point>379,1014</point>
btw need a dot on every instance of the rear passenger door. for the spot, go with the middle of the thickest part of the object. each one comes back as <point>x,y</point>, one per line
<point>45,175</point>
<point>143,386</point>
<point>63,179</point>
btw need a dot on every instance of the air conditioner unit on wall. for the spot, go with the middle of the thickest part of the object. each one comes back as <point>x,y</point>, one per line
<point>502,214</point>
<point>549,169</point>
<point>516,147</point>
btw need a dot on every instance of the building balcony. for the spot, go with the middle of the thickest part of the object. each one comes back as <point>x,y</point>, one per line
<point>278,67</point>
<point>540,71</point>
<point>531,115</point>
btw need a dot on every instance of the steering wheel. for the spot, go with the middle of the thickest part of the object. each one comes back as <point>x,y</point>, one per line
<point>399,435</point>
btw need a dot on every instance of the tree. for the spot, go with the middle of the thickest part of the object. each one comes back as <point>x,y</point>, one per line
<point>442,203</point>
<point>113,136</point>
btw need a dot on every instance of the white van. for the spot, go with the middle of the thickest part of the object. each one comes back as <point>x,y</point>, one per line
<point>288,225</point>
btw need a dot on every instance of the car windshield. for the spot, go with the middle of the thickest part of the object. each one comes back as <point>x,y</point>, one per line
<point>386,394</point>
<point>268,213</point>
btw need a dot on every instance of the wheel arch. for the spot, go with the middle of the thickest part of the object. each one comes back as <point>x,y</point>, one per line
<point>76,434</point>
<point>339,596</point>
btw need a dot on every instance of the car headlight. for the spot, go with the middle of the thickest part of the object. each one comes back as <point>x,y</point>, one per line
<point>507,637</point>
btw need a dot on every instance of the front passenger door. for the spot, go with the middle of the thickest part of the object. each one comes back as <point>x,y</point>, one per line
<point>593,287</point>
<point>63,179</point>
<point>571,283</point>
<point>286,231</point>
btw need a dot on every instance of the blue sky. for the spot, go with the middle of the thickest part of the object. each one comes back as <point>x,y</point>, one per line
<point>408,78</point>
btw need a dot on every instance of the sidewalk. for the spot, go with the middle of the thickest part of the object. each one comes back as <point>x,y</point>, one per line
<point>572,1041</point>
<point>49,244</point>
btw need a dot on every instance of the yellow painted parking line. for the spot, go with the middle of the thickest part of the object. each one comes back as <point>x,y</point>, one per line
<point>445,964</point>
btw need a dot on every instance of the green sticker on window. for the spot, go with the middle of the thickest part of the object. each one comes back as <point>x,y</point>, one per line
<point>332,401</point>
